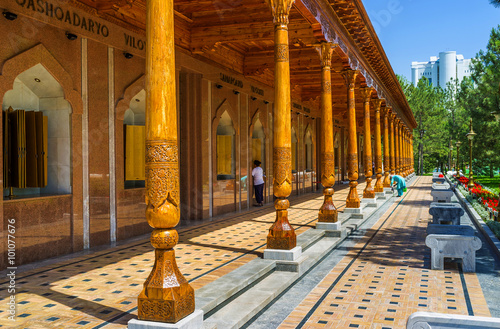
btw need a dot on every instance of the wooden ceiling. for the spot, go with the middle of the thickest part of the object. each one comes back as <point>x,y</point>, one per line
<point>239,35</point>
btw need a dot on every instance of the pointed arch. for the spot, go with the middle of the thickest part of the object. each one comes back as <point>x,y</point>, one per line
<point>40,55</point>
<point>133,89</point>
<point>225,107</point>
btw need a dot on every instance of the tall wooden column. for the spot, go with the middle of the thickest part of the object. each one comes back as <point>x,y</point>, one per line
<point>396,147</point>
<point>411,155</point>
<point>387,154</point>
<point>281,234</point>
<point>327,213</point>
<point>401,155</point>
<point>406,153</point>
<point>369,192</point>
<point>379,186</point>
<point>166,296</point>
<point>393,143</point>
<point>353,200</point>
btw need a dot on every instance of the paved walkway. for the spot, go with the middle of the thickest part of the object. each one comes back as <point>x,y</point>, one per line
<point>386,276</point>
<point>100,289</point>
<point>380,281</point>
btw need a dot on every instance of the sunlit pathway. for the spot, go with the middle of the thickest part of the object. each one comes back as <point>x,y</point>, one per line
<point>100,289</point>
<point>386,276</point>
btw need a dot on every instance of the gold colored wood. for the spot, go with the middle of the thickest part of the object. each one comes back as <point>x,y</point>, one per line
<point>7,150</point>
<point>328,212</point>
<point>166,295</point>
<point>392,135</point>
<point>353,200</point>
<point>379,185</point>
<point>397,169</point>
<point>31,150</point>
<point>387,154</point>
<point>281,234</point>
<point>369,191</point>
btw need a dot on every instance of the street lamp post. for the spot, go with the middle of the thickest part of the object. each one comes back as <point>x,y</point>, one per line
<point>449,157</point>
<point>497,117</point>
<point>458,157</point>
<point>470,136</point>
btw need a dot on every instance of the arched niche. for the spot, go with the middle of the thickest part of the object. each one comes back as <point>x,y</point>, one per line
<point>258,143</point>
<point>295,144</point>
<point>134,120</point>
<point>309,150</point>
<point>36,89</point>
<point>225,148</point>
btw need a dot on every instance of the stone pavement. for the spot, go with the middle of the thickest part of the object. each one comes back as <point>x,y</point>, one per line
<point>100,289</point>
<point>381,280</point>
<point>386,276</point>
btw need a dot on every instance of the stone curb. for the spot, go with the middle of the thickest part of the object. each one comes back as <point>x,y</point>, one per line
<point>478,222</point>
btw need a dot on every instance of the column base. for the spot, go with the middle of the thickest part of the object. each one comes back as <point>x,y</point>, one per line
<point>380,195</point>
<point>192,321</point>
<point>387,190</point>
<point>329,226</point>
<point>278,254</point>
<point>369,202</point>
<point>358,210</point>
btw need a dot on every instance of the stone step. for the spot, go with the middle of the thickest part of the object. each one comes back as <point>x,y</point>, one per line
<point>213,294</point>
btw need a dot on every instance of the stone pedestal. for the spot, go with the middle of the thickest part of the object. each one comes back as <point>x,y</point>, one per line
<point>279,254</point>
<point>358,210</point>
<point>192,321</point>
<point>369,202</point>
<point>329,226</point>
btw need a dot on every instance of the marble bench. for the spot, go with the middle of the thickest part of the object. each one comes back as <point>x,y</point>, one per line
<point>446,212</point>
<point>452,241</point>
<point>436,174</point>
<point>444,186</point>
<point>439,180</point>
<point>427,320</point>
<point>442,195</point>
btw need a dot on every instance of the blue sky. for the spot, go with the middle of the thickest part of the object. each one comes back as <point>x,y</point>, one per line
<point>414,30</point>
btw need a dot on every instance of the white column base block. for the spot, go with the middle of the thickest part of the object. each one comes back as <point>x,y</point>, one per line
<point>353,210</point>
<point>380,195</point>
<point>192,321</point>
<point>278,254</point>
<point>329,226</point>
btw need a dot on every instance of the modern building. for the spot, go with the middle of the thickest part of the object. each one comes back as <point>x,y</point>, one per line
<point>441,70</point>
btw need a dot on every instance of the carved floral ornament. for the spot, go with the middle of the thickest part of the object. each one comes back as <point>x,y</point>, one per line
<point>366,93</point>
<point>377,103</point>
<point>350,77</point>
<point>325,52</point>
<point>280,10</point>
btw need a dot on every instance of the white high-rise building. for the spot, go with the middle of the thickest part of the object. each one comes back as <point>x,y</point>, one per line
<point>440,70</point>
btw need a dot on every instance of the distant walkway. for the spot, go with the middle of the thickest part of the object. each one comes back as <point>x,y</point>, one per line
<point>386,276</point>
<point>100,289</point>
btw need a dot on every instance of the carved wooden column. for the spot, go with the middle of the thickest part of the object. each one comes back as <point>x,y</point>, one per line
<point>401,154</point>
<point>406,152</point>
<point>369,192</point>
<point>328,212</point>
<point>411,155</point>
<point>397,168</point>
<point>166,296</point>
<point>387,154</point>
<point>353,200</point>
<point>281,234</point>
<point>393,143</point>
<point>379,186</point>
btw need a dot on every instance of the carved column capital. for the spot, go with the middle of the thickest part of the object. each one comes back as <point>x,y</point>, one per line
<point>377,103</point>
<point>280,10</point>
<point>325,51</point>
<point>366,94</point>
<point>350,77</point>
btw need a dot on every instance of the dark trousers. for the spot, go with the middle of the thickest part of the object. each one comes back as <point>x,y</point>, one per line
<point>259,193</point>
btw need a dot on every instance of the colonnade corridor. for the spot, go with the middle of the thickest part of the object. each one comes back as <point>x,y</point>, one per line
<point>383,277</point>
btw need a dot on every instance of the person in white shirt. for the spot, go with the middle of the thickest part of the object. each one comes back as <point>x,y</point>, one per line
<point>258,183</point>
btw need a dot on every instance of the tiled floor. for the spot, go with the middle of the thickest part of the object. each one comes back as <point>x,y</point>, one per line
<point>101,289</point>
<point>381,281</point>
<point>386,276</point>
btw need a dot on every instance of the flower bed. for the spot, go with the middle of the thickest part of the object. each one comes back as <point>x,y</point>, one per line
<point>487,198</point>
<point>487,209</point>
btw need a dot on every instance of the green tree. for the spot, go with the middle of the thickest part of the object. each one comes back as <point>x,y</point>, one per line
<point>432,133</point>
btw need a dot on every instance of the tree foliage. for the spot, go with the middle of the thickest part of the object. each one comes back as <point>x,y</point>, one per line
<point>444,115</point>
